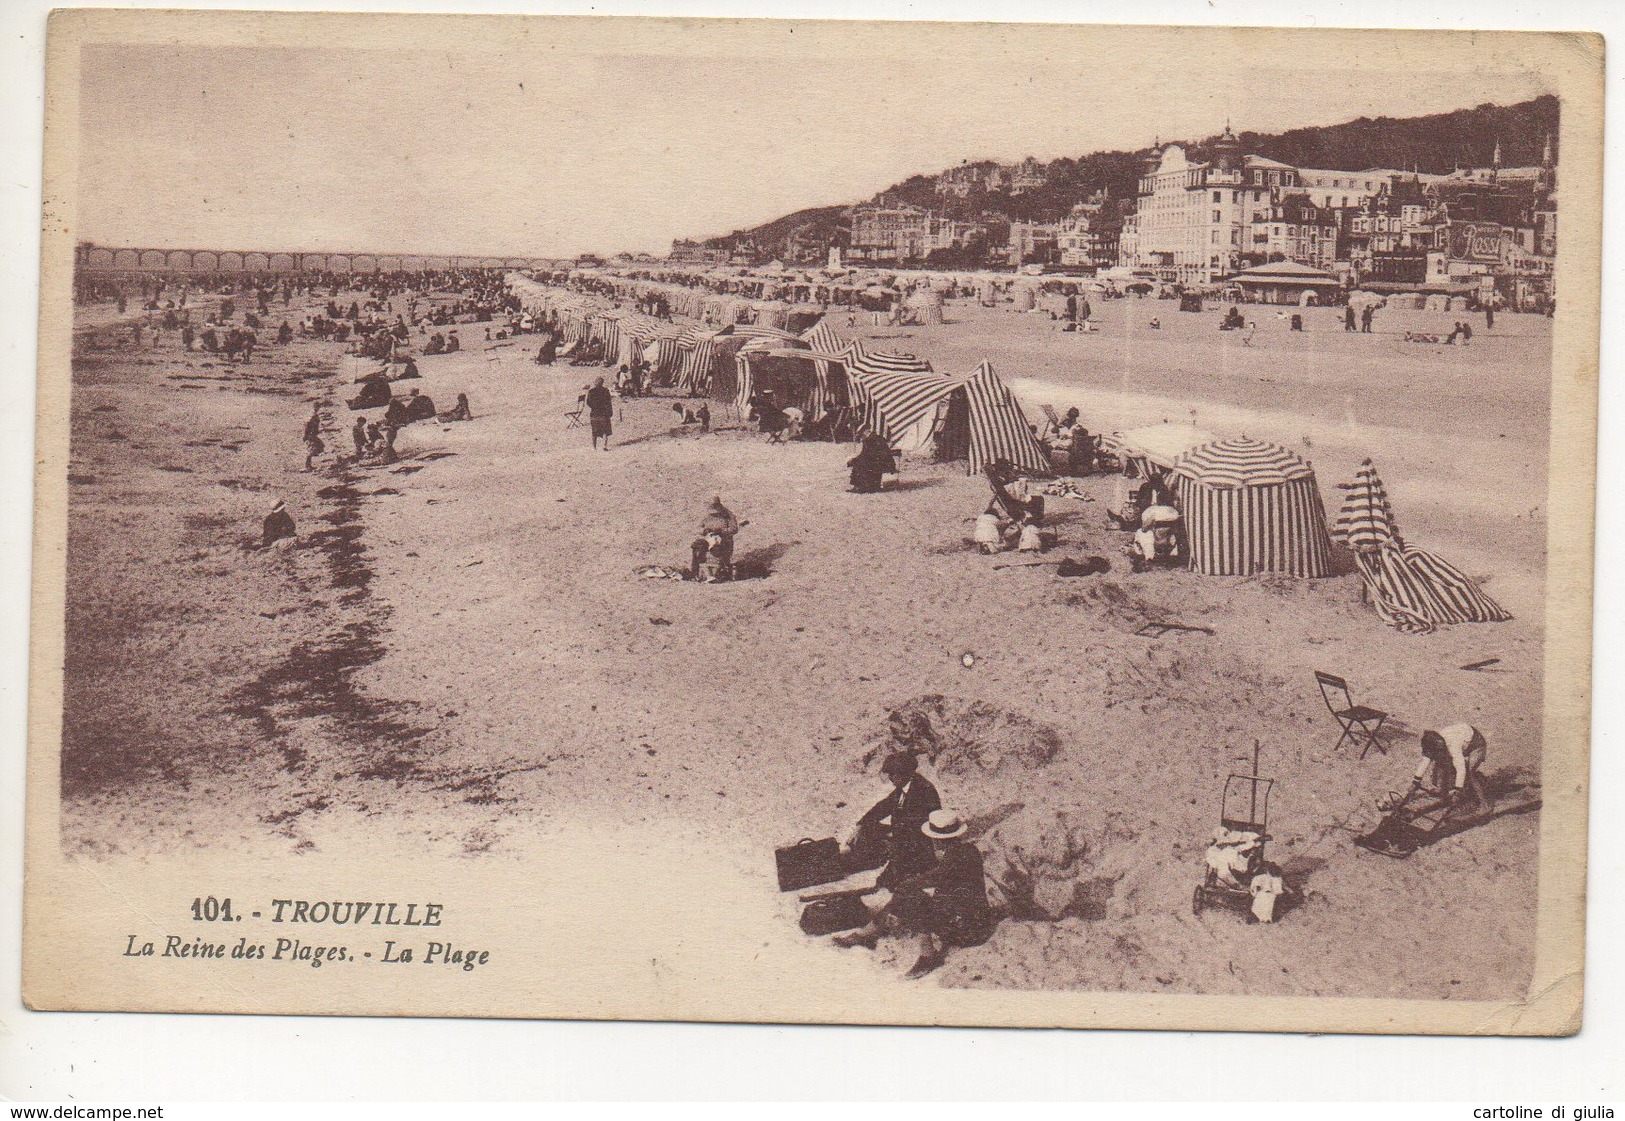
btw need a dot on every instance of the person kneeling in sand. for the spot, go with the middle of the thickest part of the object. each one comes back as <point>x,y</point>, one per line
<point>945,905</point>
<point>1452,758</point>
<point>277,525</point>
<point>718,527</point>
<point>460,411</point>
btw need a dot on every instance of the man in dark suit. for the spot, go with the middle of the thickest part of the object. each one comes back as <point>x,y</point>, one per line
<point>912,801</point>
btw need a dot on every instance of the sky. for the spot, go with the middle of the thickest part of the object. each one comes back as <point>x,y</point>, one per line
<point>555,144</point>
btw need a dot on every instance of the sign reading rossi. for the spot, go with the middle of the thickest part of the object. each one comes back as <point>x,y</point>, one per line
<point>1475,241</point>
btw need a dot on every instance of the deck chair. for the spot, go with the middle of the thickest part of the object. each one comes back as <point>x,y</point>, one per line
<point>574,415</point>
<point>1360,723</point>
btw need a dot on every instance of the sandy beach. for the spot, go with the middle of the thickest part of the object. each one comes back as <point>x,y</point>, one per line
<point>457,657</point>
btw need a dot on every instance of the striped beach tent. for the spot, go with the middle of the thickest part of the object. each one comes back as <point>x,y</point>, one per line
<point>698,364</point>
<point>998,427</point>
<point>664,355</point>
<point>895,391</point>
<point>1251,507</point>
<point>832,383</point>
<point>1411,589</point>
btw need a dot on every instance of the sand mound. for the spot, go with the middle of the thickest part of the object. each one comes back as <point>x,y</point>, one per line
<point>1050,864</point>
<point>960,737</point>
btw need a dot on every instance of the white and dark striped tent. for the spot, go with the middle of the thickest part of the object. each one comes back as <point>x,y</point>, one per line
<point>700,346</point>
<point>833,389</point>
<point>1412,589</point>
<point>1251,507</point>
<point>893,391</point>
<point>976,418</point>
<point>664,355</point>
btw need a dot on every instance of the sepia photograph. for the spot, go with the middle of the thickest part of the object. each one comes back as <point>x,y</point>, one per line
<point>802,521</point>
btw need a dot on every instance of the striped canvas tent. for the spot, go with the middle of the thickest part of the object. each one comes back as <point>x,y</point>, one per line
<point>1251,507</point>
<point>789,371</point>
<point>831,373</point>
<point>700,352</point>
<point>998,427</point>
<point>665,356</point>
<point>894,391</point>
<point>1412,589</point>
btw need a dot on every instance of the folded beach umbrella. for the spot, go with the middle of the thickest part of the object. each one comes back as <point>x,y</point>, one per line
<point>1411,589</point>
<point>1366,522</point>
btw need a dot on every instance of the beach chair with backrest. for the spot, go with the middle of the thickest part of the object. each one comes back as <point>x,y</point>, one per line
<point>1360,723</point>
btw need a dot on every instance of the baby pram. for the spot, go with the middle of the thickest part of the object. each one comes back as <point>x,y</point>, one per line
<point>1237,874</point>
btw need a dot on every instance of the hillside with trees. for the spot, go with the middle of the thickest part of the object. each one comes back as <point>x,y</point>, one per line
<point>1437,143</point>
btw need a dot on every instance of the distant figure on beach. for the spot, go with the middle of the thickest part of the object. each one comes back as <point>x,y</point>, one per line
<point>874,461</point>
<point>460,411</point>
<point>453,343</point>
<point>418,407</point>
<point>1489,317</point>
<point>313,437</point>
<point>188,336</point>
<point>1366,314</point>
<point>703,416</point>
<point>600,411</point>
<point>718,528</point>
<point>358,435</point>
<point>277,525</point>
<point>1348,318</point>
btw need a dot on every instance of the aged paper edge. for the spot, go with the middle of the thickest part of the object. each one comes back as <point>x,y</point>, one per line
<point>1553,1004</point>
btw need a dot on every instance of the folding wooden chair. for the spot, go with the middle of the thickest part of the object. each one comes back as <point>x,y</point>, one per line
<point>1360,723</point>
<point>575,415</point>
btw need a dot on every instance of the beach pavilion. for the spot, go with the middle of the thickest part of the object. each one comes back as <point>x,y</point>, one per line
<point>1286,282</point>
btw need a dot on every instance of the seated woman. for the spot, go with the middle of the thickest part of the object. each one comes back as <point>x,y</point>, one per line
<point>1157,539</point>
<point>945,905</point>
<point>874,461</point>
<point>460,411</point>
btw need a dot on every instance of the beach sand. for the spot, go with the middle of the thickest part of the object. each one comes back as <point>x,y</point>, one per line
<point>457,659</point>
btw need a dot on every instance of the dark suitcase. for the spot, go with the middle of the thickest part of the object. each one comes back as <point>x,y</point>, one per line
<point>834,914</point>
<point>807,863</point>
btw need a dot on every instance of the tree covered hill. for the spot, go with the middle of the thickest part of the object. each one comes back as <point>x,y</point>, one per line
<point>1437,143</point>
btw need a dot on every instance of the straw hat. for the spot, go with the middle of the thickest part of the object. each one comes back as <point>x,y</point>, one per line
<point>945,825</point>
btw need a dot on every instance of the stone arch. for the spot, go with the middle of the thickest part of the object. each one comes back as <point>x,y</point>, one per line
<point>338,262</point>
<point>127,259</point>
<point>412,264</point>
<point>365,262</point>
<point>152,258</point>
<point>491,263</point>
<point>516,263</point>
<point>179,260</point>
<point>205,261</point>
<point>314,262</point>
<point>256,262</point>
<point>231,262</point>
<point>99,259</point>
<point>281,262</point>
<point>437,263</point>
<point>389,264</point>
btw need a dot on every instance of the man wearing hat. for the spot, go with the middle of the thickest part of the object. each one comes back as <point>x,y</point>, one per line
<point>946,905</point>
<point>912,800</point>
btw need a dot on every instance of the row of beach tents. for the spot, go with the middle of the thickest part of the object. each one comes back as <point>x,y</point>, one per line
<point>973,416</point>
<point>1249,506</point>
